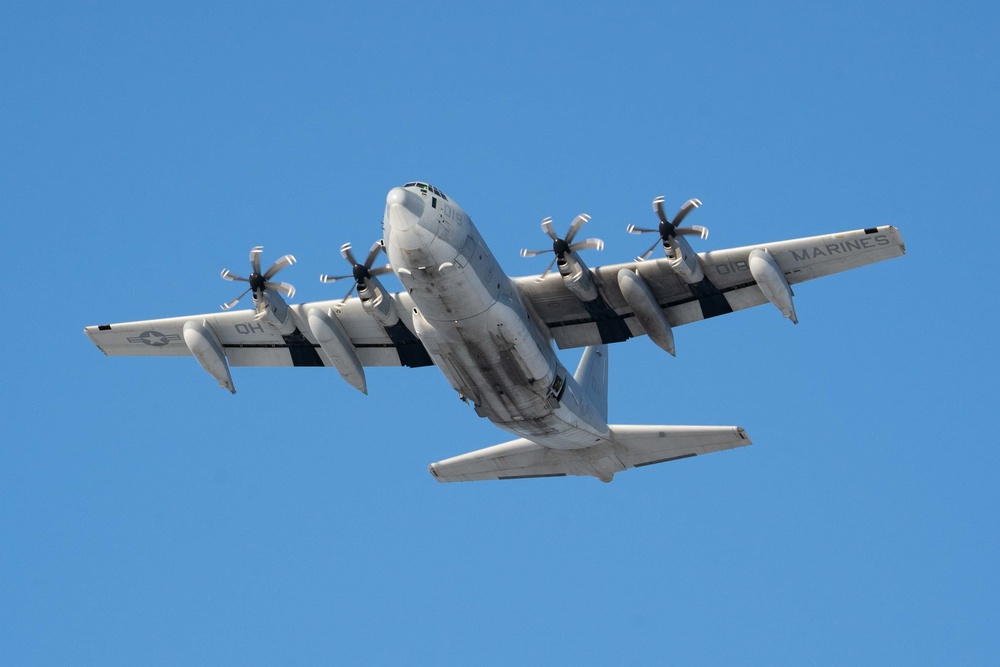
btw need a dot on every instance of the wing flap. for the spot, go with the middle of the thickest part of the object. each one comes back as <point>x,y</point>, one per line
<point>633,447</point>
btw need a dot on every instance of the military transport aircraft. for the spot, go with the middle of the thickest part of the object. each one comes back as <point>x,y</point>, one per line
<point>491,335</point>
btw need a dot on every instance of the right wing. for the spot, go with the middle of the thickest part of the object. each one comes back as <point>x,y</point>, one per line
<point>728,285</point>
<point>633,447</point>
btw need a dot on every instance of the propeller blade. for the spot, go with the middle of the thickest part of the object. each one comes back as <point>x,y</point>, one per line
<point>632,229</point>
<point>255,253</point>
<point>658,207</point>
<point>372,254</point>
<point>345,252</point>
<point>534,253</point>
<point>668,230</point>
<point>548,268</point>
<point>547,228</point>
<point>574,226</point>
<point>695,230</point>
<point>323,278</point>
<point>284,288</point>
<point>348,253</point>
<point>646,254</point>
<point>287,260</point>
<point>230,304</point>
<point>229,275</point>
<point>349,292</point>
<point>561,246</point>
<point>688,206</point>
<point>589,244</point>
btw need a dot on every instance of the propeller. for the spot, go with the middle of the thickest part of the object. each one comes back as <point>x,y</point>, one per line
<point>563,246</point>
<point>260,281</point>
<point>667,229</point>
<point>360,272</point>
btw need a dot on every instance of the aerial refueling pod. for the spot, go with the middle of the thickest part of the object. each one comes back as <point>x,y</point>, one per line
<point>206,348</point>
<point>337,347</point>
<point>642,302</point>
<point>772,282</point>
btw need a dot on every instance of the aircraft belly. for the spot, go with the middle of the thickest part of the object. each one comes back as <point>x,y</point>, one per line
<point>490,371</point>
<point>486,361</point>
<point>493,359</point>
<point>511,400</point>
<point>490,351</point>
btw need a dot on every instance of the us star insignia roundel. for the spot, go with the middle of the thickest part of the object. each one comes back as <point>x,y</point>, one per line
<point>154,338</point>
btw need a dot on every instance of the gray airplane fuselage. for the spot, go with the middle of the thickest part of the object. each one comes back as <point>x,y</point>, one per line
<point>474,324</point>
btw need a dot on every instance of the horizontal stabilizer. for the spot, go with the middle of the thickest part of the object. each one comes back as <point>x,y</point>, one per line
<point>632,447</point>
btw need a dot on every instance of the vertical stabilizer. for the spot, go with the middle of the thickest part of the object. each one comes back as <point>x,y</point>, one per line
<point>592,376</point>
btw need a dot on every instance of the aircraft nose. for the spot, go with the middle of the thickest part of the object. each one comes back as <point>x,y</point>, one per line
<point>404,209</point>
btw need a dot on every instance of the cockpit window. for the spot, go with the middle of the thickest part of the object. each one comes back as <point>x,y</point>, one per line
<point>424,187</point>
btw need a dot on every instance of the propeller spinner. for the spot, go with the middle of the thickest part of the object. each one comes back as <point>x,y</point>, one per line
<point>564,246</point>
<point>360,272</point>
<point>667,229</point>
<point>260,281</point>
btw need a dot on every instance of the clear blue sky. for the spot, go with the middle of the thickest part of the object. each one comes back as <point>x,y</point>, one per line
<point>149,517</point>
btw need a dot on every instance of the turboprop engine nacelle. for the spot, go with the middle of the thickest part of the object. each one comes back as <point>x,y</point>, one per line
<point>273,310</point>
<point>772,282</point>
<point>684,261</point>
<point>576,276</point>
<point>377,303</point>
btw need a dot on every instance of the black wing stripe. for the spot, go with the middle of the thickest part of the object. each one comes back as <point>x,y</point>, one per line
<point>610,324</point>
<point>303,352</point>
<point>713,302</point>
<point>670,304</point>
<point>412,352</point>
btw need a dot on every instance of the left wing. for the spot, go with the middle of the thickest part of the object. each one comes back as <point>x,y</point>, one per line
<point>728,284</point>
<point>248,342</point>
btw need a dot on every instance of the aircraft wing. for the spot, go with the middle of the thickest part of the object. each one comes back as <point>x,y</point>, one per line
<point>251,343</point>
<point>633,447</point>
<point>728,284</point>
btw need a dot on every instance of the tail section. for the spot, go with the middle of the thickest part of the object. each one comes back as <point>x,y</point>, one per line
<point>632,447</point>
<point>592,376</point>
